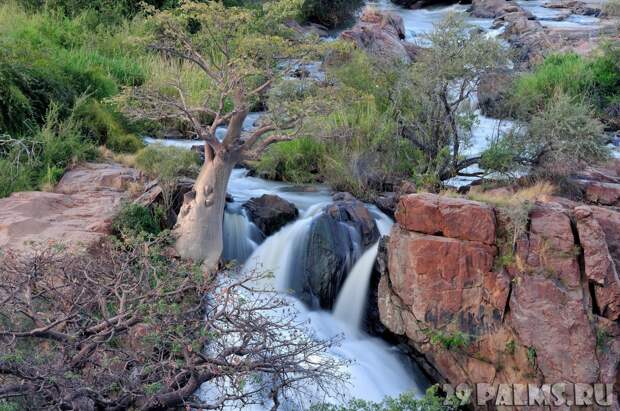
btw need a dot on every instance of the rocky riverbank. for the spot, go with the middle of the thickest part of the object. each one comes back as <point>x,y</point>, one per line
<point>79,211</point>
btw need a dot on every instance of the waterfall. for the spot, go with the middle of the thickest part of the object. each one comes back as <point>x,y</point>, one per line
<point>377,370</point>
<point>352,300</point>
<point>279,253</point>
<point>351,303</point>
<point>241,236</point>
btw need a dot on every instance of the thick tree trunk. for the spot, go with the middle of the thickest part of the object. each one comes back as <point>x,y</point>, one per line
<point>199,229</point>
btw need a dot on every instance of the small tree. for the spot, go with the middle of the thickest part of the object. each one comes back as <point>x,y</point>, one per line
<point>435,111</point>
<point>129,328</point>
<point>555,141</point>
<point>236,55</point>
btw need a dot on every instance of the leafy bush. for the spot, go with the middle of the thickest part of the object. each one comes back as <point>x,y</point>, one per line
<point>560,138</point>
<point>109,11</point>
<point>612,8</point>
<point>296,161</point>
<point>105,127</point>
<point>45,58</point>
<point>168,164</point>
<point>431,401</point>
<point>330,13</point>
<point>40,160</point>
<point>134,219</point>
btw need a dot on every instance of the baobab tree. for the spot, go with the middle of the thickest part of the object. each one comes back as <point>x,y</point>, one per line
<point>237,54</point>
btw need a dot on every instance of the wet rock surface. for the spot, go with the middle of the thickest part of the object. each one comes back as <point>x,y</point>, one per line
<point>336,239</point>
<point>270,213</point>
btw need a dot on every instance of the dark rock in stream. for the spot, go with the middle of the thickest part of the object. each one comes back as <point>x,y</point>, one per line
<point>270,213</point>
<point>336,239</point>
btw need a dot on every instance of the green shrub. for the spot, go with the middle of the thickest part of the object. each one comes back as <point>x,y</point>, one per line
<point>168,162</point>
<point>450,341</point>
<point>555,141</point>
<point>134,219</point>
<point>15,177</point>
<point>431,401</point>
<point>40,160</point>
<point>296,161</point>
<point>330,13</point>
<point>105,127</point>
<point>45,58</point>
<point>612,8</point>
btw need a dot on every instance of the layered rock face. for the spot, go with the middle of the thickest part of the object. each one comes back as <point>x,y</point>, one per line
<point>78,212</point>
<point>547,313</point>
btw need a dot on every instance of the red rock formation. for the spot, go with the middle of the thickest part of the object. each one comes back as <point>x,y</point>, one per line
<point>551,315</point>
<point>79,212</point>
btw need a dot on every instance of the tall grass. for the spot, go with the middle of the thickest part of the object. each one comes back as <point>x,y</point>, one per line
<point>47,57</point>
<point>39,160</point>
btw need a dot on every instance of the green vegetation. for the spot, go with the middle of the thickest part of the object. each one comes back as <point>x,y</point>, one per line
<point>450,341</point>
<point>594,80</point>
<point>55,72</point>
<point>134,220</point>
<point>168,162</point>
<point>39,160</point>
<point>384,122</point>
<point>556,140</point>
<point>431,401</point>
<point>611,8</point>
<point>531,357</point>
<point>330,13</point>
<point>511,347</point>
<point>297,161</point>
<point>602,339</point>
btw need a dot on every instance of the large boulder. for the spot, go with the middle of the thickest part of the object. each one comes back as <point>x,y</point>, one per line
<point>336,239</point>
<point>78,213</point>
<point>380,34</point>
<point>576,7</point>
<point>537,316</point>
<point>270,213</point>
<point>526,35</point>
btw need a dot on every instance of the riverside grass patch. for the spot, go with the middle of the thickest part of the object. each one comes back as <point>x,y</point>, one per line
<point>596,79</point>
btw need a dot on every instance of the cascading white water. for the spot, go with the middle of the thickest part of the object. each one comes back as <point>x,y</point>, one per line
<point>377,370</point>
<point>352,300</point>
<point>351,303</point>
<point>239,241</point>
